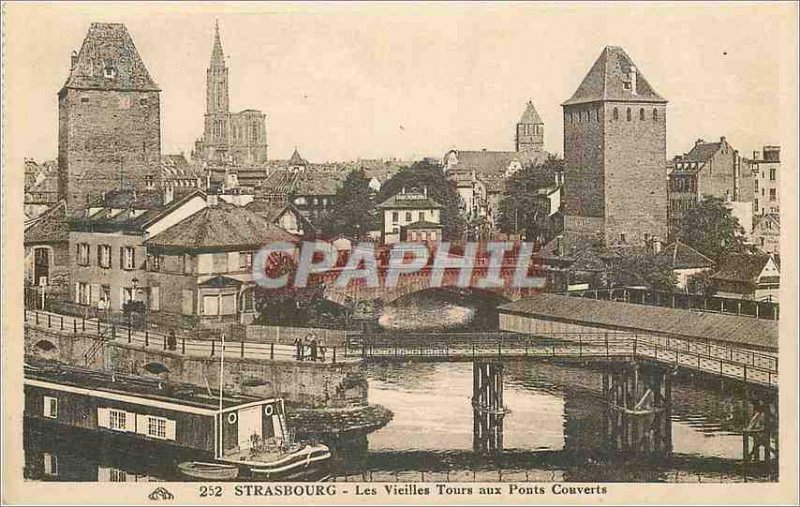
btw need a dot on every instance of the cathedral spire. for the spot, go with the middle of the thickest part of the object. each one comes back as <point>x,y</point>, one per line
<point>217,56</point>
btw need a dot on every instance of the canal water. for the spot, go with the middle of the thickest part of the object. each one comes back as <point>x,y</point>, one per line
<point>554,430</point>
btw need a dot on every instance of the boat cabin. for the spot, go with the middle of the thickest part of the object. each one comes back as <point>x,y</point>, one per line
<point>151,410</point>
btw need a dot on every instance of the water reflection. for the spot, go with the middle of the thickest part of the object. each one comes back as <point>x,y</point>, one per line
<point>554,431</point>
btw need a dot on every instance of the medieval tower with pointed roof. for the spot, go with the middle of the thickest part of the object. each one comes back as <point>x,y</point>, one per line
<point>238,138</point>
<point>615,155</point>
<point>109,119</point>
<point>530,131</point>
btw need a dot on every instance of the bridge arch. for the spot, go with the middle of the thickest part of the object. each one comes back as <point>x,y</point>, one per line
<point>45,349</point>
<point>156,368</point>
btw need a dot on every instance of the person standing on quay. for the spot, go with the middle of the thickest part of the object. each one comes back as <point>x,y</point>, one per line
<point>298,344</point>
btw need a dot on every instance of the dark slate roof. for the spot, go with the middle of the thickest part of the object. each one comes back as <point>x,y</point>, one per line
<point>409,201</point>
<point>604,81</point>
<point>219,226</point>
<point>692,324</point>
<point>296,159</point>
<point>701,152</point>
<point>742,267</point>
<point>219,282</point>
<point>102,220</point>
<point>49,227</point>
<point>682,256</point>
<point>423,224</point>
<point>531,116</point>
<point>109,44</point>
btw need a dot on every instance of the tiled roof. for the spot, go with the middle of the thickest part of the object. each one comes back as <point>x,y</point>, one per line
<point>692,324</point>
<point>220,281</point>
<point>530,116</point>
<point>409,201</point>
<point>50,227</point>
<point>495,162</point>
<point>605,81</point>
<point>109,46</point>
<point>136,199</point>
<point>741,268</point>
<point>423,224</point>
<point>219,226</point>
<point>682,256</point>
<point>701,152</point>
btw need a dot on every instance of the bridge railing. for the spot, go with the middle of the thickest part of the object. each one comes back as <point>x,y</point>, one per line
<point>182,346</point>
<point>732,363</point>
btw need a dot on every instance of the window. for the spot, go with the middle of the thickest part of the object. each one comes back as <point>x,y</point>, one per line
<point>127,257</point>
<point>154,262</point>
<point>772,174</point>
<point>156,427</point>
<point>408,216</point>
<point>762,241</point>
<point>210,305</point>
<point>641,114</point>
<point>83,254</point>
<point>219,262</point>
<point>421,216</point>
<point>109,71</point>
<point>149,180</point>
<point>50,463</point>
<point>155,298</point>
<point>395,216</point>
<point>105,297</point>
<point>756,187</point>
<point>83,293</point>
<point>50,407</point>
<point>84,100</point>
<point>616,114</point>
<point>143,102</point>
<point>104,256</point>
<point>622,237</point>
<point>117,475</point>
<point>626,85</point>
<point>248,300</point>
<point>245,261</point>
<point>756,205</point>
<point>628,114</point>
<point>655,114</point>
<point>116,420</point>
<point>772,194</point>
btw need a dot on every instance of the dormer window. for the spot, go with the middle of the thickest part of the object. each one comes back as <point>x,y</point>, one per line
<point>109,72</point>
<point>626,85</point>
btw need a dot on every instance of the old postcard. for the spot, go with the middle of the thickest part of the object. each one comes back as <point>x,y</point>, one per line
<point>403,253</point>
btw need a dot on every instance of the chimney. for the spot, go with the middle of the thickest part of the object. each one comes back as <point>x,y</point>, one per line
<point>698,142</point>
<point>756,155</point>
<point>722,139</point>
<point>73,60</point>
<point>632,77</point>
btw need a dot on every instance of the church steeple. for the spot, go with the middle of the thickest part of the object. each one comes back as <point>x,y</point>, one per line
<point>530,130</point>
<point>217,56</point>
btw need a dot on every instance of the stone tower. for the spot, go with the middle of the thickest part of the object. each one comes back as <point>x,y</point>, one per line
<point>615,155</point>
<point>217,118</point>
<point>109,119</point>
<point>530,131</point>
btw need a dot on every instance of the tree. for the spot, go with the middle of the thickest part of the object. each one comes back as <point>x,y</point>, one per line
<point>353,211</point>
<point>711,229</point>
<point>424,174</point>
<point>521,210</point>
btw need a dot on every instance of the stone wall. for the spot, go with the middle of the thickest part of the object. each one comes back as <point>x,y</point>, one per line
<point>313,385</point>
<point>102,133</point>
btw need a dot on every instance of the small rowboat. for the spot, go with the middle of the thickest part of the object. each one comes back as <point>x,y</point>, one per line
<point>209,471</point>
<point>295,462</point>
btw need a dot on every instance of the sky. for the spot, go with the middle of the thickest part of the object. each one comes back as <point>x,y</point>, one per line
<point>348,81</point>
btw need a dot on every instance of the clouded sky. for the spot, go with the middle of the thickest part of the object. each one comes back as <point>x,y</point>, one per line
<point>342,81</point>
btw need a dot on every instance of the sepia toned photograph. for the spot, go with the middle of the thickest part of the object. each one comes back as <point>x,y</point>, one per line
<point>475,253</point>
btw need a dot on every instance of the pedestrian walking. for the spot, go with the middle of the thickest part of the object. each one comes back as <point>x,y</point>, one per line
<point>313,346</point>
<point>298,345</point>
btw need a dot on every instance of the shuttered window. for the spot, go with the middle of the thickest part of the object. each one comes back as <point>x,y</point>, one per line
<point>228,304</point>
<point>50,407</point>
<point>210,305</point>
<point>155,298</point>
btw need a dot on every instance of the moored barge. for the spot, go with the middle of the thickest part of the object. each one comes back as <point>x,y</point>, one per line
<point>236,436</point>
